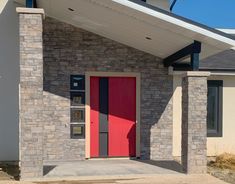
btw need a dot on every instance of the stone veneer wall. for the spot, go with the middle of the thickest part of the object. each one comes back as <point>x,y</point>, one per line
<point>70,50</point>
<point>194,126</point>
<point>31,95</point>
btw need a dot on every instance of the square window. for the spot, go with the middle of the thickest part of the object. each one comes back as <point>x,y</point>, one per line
<point>77,115</point>
<point>77,82</point>
<point>77,131</point>
<point>77,98</point>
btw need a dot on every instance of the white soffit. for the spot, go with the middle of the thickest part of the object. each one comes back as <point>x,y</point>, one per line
<point>130,23</point>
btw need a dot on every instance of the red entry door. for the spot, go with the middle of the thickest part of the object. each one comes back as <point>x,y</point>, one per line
<point>113,131</point>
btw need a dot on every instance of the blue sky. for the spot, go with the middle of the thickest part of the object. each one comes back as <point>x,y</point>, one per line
<point>214,13</point>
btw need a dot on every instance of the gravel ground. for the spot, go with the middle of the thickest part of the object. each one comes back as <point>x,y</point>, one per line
<point>223,174</point>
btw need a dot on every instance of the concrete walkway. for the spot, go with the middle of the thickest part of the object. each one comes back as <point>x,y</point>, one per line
<point>118,171</point>
<point>144,179</point>
<point>111,167</point>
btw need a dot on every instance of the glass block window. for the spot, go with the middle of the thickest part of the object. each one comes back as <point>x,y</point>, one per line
<point>77,106</point>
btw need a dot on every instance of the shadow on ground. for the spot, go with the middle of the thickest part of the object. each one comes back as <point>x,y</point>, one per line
<point>9,171</point>
<point>169,164</point>
<point>105,181</point>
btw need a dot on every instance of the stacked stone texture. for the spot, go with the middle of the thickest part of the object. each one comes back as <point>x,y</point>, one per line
<point>69,50</point>
<point>31,95</point>
<point>194,127</point>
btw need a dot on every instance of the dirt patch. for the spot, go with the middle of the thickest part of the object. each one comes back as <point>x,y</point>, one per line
<point>223,167</point>
<point>224,161</point>
<point>9,171</point>
<point>226,175</point>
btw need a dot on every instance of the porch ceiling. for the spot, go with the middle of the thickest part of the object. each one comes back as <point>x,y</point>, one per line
<point>151,30</point>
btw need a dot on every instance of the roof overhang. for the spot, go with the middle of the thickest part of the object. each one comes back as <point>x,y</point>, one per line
<point>139,25</point>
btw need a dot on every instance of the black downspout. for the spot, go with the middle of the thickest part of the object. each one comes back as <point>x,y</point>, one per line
<point>35,3</point>
<point>172,5</point>
<point>31,3</point>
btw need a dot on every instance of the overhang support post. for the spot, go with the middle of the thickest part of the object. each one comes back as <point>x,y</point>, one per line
<point>193,51</point>
<point>195,61</point>
<point>31,3</point>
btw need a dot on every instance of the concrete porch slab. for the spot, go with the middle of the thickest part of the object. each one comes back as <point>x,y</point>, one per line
<point>128,179</point>
<point>111,168</point>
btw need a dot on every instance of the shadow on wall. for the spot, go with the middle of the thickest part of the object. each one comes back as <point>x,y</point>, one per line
<point>9,81</point>
<point>69,50</point>
<point>47,169</point>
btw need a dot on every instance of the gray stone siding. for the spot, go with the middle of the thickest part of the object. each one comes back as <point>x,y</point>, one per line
<point>194,127</point>
<point>70,50</point>
<point>31,95</point>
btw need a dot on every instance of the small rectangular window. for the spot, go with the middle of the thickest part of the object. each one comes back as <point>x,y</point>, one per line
<point>77,131</point>
<point>214,108</point>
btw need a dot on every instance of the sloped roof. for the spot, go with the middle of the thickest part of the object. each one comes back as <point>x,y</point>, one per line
<point>222,61</point>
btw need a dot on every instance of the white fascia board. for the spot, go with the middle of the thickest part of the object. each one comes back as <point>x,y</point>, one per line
<point>230,73</point>
<point>228,31</point>
<point>178,22</point>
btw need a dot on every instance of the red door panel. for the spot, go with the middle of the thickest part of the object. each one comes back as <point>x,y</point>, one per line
<point>94,117</point>
<point>122,116</point>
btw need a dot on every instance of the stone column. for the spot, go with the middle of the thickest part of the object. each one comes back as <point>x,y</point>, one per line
<point>31,92</point>
<point>194,126</point>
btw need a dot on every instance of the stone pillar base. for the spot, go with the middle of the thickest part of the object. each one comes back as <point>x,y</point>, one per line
<point>194,122</point>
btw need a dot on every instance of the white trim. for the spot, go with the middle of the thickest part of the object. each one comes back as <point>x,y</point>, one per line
<point>176,22</point>
<point>212,73</point>
<point>189,73</point>
<point>223,73</point>
<point>196,74</point>
<point>228,31</point>
<point>30,11</point>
